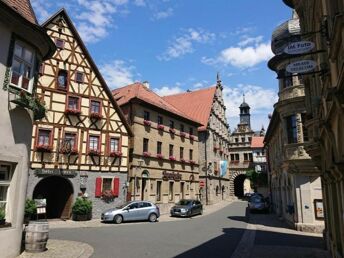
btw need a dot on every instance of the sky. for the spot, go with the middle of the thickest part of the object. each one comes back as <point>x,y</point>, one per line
<point>179,45</point>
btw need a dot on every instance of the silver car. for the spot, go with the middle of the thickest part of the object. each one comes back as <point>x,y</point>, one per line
<point>131,211</point>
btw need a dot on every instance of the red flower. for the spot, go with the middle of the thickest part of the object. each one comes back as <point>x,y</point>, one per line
<point>172,130</point>
<point>116,154</point>
<point>183,161</point>
<point>94,152</point>
<point>172,158</point>
<point>72,111</point>
<point>147,122</point>
<point>43,148</point>
<point>182,134</point>
<point>192,137</point>
<point>159,156</point>
<point>95,115</point>
<point>146,154</point>
<point>160,127</point>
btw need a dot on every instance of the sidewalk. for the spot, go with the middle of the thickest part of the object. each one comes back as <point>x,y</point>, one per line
<point>72,249</point>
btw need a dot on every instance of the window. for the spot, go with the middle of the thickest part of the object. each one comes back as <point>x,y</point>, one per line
<point>70,138</point>
<point>237,156</point>
<point>172,124</point>
<point>22,67</point>
<point>158,147</point>
<point>181,128</point>
<point>107,184</point>
<point>181,153</point>
<point>160,120</point>
<point>191,154</point>
<point>171,150</point>
<point>158,190</point>
<point>59,43</point>
<point>93,144</point>
<point>6,173</point>
<point>95,107</point>
<point>146,115</point>
<point>73,103</point>
<point>44,137</point>
<point>232,157</point>
<point>242,139</point>
<point>170,191</point>
<point>62,80</point>
<point>114,145</point>
<point>250,156</point>
<point>79,77</point>
<point>41,69</point>
<point>245,156</point>
<point>190,131</point>
<point>304,128</point>
<point>145,145</point>
<point>291,129</point>
<point>236,140</point>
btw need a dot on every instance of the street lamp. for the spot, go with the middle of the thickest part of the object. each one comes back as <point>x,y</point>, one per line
<point>138,168</point>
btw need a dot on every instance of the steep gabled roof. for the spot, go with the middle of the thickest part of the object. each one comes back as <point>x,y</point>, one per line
<point>24,8</point>
<point>196,104</point>
<point>138,91</point>
<point>257,142</point>
<point>63,12</point>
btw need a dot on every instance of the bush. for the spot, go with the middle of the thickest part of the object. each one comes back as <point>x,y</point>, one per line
<point>2,213</point>
<point>82,206</point>
<point>30,208</point>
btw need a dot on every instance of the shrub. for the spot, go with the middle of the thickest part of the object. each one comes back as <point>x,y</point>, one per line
<point>82,206</point>
<point>2,213</point>
<point>30,208</point>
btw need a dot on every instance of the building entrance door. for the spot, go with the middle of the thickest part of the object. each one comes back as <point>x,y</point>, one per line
<point>58,192</point>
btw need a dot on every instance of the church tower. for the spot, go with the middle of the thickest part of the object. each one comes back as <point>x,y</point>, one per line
<point>245,117</point>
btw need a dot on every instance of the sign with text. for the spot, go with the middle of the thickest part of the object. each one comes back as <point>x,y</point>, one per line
<point>171,176</point>
<point>55,172</point>
<point>301,66</point>
<point>300,47</point>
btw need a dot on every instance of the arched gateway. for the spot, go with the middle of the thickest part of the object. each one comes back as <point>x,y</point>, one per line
<point>236,183</point>
<point>58,192</point>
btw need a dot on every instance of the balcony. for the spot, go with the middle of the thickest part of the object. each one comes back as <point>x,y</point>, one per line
<point>292,92</point>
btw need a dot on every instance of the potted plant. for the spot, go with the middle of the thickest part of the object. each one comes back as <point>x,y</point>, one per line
<point>2,216</point>
<point>82,209</point>
<point>30,210</point>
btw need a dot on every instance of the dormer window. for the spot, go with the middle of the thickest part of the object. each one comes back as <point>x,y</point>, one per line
<point>62,79</point>
<point>59,43</point>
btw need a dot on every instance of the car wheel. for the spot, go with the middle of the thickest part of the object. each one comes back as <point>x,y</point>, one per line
<point>118,219</point>
<point>152,217</point>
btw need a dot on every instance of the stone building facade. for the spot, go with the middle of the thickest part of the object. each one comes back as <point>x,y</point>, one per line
<point>207,106</point>
<point>164,155</point>
<point>294,178</point>
<point>80,148</point>
<point>23,44</point>
<point>324,106</point>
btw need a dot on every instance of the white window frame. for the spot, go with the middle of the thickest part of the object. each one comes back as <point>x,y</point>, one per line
<point>21,60</point>
<point>6,183</point>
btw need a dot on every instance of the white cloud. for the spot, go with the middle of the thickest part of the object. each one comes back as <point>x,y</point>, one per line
<point>166,90</point>
<point>249,40</point>
<point>41,9</point>
<point>163,14</point>
<point>118,73</point>
<point>140,3</point>
<point>261,101</point>
<point>184,44</point>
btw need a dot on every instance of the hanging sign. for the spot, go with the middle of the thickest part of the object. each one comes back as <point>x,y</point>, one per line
<point>301,66</point>
<point>300,47</point>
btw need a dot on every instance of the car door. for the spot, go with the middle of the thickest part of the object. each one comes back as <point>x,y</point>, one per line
<point>144,209</point>
<point>131,213</point>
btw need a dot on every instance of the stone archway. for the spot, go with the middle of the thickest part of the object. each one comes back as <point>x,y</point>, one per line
<point>236,183</point>
<point>58,192</point>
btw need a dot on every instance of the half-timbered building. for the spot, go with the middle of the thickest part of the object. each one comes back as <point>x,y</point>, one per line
<point>80,148</point>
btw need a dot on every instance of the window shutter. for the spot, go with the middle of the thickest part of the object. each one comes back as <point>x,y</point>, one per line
<point>98,192</point>
<point>116,186</point>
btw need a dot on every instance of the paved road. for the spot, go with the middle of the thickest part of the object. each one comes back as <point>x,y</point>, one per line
<point>213,235</point>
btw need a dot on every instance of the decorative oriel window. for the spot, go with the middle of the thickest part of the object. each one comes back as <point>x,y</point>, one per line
<point>59,43</point>
<point>22,70</point>
<point>291,129</point>
<point>62,80</point>
<point>94,145</point>
<point>79,77</point>
<point>44,140</point>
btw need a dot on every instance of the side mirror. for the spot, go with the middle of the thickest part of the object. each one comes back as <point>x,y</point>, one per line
<point>126,209</point>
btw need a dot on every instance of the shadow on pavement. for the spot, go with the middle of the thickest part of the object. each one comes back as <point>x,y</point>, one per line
<point>225,245</point>
<point>241,218</point>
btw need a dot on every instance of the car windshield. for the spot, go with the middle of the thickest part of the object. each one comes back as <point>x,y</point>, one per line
<point>256,199</point>
<point>184,202</point>
<point>123,205</point>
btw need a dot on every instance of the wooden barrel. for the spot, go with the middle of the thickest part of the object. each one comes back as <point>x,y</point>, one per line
<point>36,236</point>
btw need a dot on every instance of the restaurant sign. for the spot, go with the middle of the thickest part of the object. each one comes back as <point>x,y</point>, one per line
<point>171,176</point>
<point>300,47</point>
<point>301,66</point>
<point>55,172</point>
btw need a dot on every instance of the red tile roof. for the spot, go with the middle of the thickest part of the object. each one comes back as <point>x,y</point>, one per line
<point>196,104</point>
<point>24,8</point>
<point>139,91</point>
<point>257,142</point>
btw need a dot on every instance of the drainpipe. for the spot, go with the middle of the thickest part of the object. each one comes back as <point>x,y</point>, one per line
<point>206,166</point>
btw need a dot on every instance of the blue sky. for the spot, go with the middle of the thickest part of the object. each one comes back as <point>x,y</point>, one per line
<point>181,44</point>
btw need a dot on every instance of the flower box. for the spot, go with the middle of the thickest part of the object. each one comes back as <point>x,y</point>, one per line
<point>172,130</point>
<point>108,196</point>
<point>159,156</point>
<point>172,158</point>
<point>116,154</point>
<point>146,154</point>
<point>192,162</point>
<point>74,112</point>
<point>147,122</point>
<point>192,137</point>
<point>183,161</point>
<point>95,115</point>
<point>71,152</point>
<point>94,152</point>
<point>161,127</point>
<point>43,148</point>
<point>182,134</point>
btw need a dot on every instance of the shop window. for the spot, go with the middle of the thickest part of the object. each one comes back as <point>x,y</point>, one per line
<point>158,191</point>
<point>291,129</point>
<point>62,80</point>
<point>79,77</point>
<point>23,61</point>
<point>107,184</point>
<point>6,173</point>
<point>59,43</point>
<point>170,191</point>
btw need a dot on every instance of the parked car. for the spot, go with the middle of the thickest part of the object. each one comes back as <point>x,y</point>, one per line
<point>258,203</point>
<point>187,208</point>
<point>132,211</point>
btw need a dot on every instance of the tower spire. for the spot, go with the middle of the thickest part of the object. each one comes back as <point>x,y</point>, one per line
<point>218,80</point>
<point>243,98</point>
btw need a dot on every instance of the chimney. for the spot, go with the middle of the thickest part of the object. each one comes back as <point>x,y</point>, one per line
<point>146,84</point>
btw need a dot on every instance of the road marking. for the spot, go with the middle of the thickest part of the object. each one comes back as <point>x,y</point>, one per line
<point>246,243</point>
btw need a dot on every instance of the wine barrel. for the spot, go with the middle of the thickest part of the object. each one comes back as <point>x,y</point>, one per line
<point>36,236</point>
